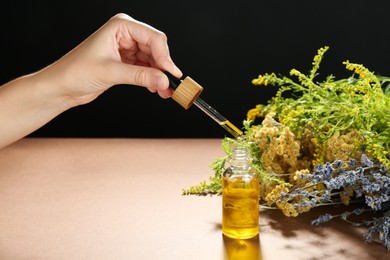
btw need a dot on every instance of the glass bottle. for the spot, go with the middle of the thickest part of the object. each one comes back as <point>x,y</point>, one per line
<point>240,196</point>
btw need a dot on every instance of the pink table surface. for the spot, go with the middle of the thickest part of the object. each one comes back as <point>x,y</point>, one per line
<point>121,199</point>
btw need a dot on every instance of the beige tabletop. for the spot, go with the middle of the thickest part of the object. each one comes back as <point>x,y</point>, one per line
<point>121,199</point>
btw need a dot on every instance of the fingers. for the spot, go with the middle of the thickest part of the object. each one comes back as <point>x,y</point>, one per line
<point>167,93</point>
<point>154,80</point>
<point>152,42</point>
<point>151,78</point>
<point>145,50</point>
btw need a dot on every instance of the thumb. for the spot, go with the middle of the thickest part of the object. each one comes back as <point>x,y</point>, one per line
<point>148,77</point>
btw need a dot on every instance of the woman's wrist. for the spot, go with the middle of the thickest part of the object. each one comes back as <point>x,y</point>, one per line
<point>48,93</point>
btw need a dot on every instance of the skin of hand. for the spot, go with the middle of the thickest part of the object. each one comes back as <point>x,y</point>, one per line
<point>122,51</point>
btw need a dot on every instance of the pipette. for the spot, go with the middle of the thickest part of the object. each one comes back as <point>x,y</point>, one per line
<point>187,92</point>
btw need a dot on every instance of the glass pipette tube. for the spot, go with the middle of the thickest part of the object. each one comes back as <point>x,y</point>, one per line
<point>187,92</point>
<point>221,120</point>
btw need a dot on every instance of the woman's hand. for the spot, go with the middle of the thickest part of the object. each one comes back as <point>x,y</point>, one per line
<point>122,51</point>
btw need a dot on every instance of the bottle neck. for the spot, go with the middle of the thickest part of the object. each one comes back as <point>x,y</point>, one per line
<point>241,159</point>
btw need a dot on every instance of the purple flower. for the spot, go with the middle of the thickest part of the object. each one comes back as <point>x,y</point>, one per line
<point>365,161</point>
<point>351,162</point>
<point>338,163</point>
<point>322,219</point>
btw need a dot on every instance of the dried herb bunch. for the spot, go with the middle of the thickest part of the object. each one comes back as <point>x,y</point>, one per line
<point>320,143</point>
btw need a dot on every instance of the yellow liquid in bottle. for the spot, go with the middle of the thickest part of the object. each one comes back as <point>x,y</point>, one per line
<point>240,211</point>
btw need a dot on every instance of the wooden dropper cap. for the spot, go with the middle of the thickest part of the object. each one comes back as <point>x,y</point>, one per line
<point>186,91</point>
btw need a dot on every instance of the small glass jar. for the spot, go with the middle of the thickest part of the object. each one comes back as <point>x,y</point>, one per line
<point>240,195</point>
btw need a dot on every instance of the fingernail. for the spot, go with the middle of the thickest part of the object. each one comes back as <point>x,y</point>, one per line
<point>176,70</point>
<point>179,71</point>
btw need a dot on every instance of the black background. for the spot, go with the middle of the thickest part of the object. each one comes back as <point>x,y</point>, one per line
<point>223,45</point>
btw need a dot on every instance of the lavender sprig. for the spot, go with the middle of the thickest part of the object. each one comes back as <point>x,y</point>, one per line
<point>368,179</point>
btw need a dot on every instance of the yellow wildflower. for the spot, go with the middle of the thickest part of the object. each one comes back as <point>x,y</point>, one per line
<point>275,194</point>
<point>287,209</point>
<point>254,113</point>
<point>317,60</point>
